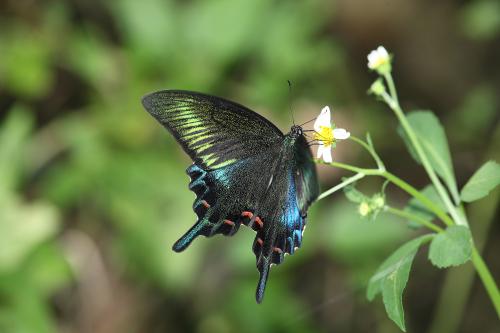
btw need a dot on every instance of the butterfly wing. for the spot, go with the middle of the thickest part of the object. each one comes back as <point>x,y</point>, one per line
<point>244,172</point>
<point>306,178</point>
<point>294,188</point>
<point>233,151</point>
<point>213,131</point>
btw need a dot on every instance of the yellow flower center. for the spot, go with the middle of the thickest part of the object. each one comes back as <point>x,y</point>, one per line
<point>380,61</point>
<point>325,135</point>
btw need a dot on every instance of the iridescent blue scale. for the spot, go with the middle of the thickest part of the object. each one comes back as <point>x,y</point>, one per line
<point>245,171</point>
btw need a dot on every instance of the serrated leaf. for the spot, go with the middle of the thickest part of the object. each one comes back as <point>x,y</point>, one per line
<point>391,277</point>
<point>432,137</point>
<point>452,247</point>
<point>415,207</point>
<point>482,182</point>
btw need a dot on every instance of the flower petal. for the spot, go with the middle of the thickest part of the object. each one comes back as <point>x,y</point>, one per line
<point>372,59</point>
<point>323,119</point>
<point>378,57</point>
<point>321,150</point>
<point>327,154</point>
<point>382,52</point>
<point>341,134</point>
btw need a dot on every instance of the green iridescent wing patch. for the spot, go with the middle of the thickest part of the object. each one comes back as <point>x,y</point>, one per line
<point>214,132</point>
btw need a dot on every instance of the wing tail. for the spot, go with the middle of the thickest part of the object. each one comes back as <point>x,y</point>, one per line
<point>200,228</point>
<point>263,267</point>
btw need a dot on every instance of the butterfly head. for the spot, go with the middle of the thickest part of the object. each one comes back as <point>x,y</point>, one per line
<point>296,131</point>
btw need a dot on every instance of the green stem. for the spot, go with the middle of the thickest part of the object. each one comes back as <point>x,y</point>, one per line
<point>413,217</point>
<point>419,196</point>
<point>487,279</point>
<point>393,103</point>
<point>399,183</point>
<point>370,149</point>
<point>341,185</point>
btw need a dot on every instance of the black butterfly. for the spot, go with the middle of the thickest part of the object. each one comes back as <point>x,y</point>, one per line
<point>245,171</point>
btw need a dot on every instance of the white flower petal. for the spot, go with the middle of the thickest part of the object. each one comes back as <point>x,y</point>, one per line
<point>327,154</point>
<point>321,149</point>
<point>323,119</point>
<point>378,57</point>
<point>372,59</point>
<point>341,134</point>
<point>382,52</point>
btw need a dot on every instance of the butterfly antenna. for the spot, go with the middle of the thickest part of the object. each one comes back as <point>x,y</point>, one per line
<point>290,100</point>
<point>307,122</point>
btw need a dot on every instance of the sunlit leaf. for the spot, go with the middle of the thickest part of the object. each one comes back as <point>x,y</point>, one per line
<point>482,182</point>
<point>452,247</point>
<point>432,137</point>
<point>391,278</point>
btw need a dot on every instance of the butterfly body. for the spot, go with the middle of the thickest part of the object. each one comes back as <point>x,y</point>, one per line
<point>245,171</point>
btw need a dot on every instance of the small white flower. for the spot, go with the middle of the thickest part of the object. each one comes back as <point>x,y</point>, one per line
<point>326,135</point>
<point>379,60</point>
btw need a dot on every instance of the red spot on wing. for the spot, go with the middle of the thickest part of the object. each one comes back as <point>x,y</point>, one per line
<point>260,241</point>
<point>229,222</point>
<point>259,222</point>
<point>247,214</point>
<point>205,204</point>
<point>278,250</point>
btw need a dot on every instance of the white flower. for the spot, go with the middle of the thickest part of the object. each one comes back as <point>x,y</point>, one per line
<point>379,60</point>
<point>326,135</point>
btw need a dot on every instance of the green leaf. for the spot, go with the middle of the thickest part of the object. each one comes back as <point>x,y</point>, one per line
<point>415,207</point>
<point>352,194</point>
<point>391,277</point>
<point>432,137</point>
<point>14,132</point>
<point>23,227</point>
<point>482,182</point>
<point>452,247</point>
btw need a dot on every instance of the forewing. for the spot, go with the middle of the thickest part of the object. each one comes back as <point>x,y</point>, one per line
<point>213,131</point>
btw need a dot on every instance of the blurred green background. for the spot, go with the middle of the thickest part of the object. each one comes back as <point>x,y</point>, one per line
<point>93,191</point>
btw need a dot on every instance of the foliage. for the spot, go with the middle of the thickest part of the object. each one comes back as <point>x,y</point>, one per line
<point>93,192</point>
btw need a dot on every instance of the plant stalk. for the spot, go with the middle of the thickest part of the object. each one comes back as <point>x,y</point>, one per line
<point>393,103</point>
<point>487,279</point>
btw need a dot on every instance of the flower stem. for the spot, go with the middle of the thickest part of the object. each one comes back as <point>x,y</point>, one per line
<point>371,150</point>
<point>399,183</point>
<point>419,196</point>
<point>487,279</point>
<point>413,217</point>
<point>393,103</point>
<point>341,185</point>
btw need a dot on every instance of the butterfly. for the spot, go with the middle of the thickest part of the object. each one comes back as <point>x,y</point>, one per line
<point>244,171</point>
